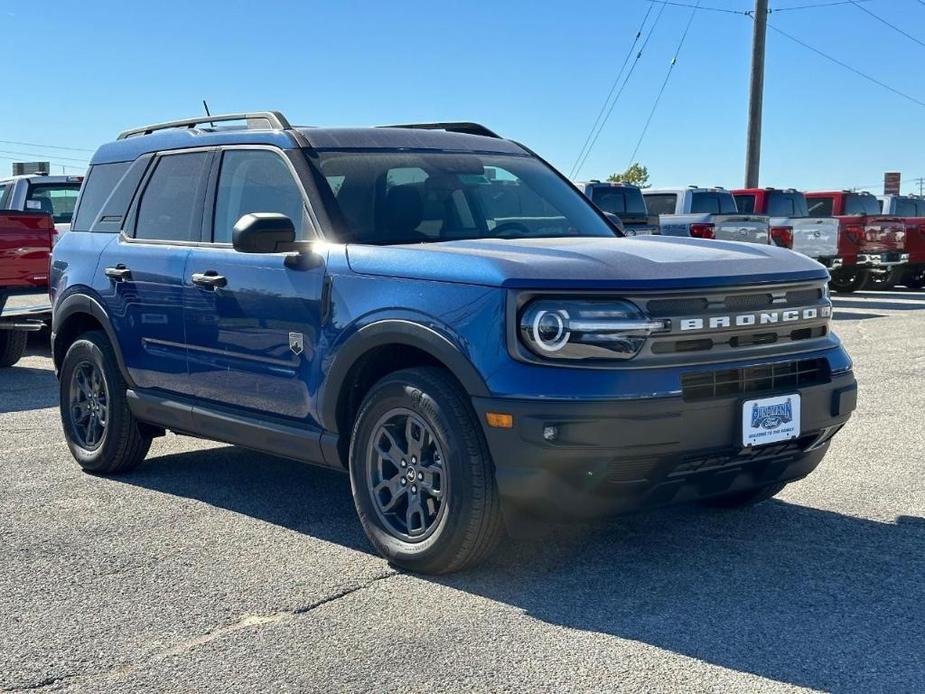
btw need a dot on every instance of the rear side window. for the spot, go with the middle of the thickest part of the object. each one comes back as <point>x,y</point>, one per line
<point>820,207</point>
<point>905,207</point>
<point>5,189</point>
<point>57,199</point>
<point>787,204</point>
<point>171,205</point>
<point>745,203</point>
<point>661,203</point>
<point>619,200</point>
<point>862,204</point>
<point>97,186</point>
<point>255,181</point>
<point>713,203</point>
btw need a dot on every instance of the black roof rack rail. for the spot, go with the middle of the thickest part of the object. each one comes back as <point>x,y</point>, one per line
<point>272,120</point>
<point>451,127</point>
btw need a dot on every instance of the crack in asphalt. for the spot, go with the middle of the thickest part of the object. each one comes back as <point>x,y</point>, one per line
<point>246,622</point>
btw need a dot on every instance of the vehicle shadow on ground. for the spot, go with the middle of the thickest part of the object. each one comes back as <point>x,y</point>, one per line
<point>25,388</point>
<point>838,314</point>
<point>795,594</point>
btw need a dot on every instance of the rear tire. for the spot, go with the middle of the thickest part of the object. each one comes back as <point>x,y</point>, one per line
<point>746,498</point>
<point>880,282</point>
<point>422,478</point>
<point>847,281</point>
<point>101,431</point>
<point>12,346</point>
<point>914,279</point>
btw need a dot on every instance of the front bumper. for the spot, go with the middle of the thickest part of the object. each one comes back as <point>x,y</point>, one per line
<point>832,262</point>
<point>619,456</point>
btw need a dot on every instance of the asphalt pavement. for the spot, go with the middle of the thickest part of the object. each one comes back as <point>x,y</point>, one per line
<point>211,568</point>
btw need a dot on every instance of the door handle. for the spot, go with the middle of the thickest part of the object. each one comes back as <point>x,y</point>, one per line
<point>209,280</point>
<point>119,273</point>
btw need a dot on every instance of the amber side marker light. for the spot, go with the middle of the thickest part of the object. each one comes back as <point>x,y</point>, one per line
<point>499,420</point>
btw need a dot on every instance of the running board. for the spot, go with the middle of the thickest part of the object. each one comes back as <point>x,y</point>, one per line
<point>248,432</point>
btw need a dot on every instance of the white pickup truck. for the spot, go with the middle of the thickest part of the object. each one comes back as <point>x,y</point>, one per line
<point>791,225</point>
<point>55,195</point>
<point>706,213</point>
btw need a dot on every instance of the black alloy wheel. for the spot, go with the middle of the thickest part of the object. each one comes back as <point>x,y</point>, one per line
<point>89,405</point>
<point>406,475</point>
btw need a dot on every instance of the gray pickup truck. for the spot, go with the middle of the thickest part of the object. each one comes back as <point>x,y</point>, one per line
<point>705,213</point>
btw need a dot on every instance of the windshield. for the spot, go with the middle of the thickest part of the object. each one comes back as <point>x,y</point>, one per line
<point>787,204</point>
<point>618,200</point>
<point>417,197</point>
<point>58,199</point>
<point>713,203</point>
<point>862,204</point>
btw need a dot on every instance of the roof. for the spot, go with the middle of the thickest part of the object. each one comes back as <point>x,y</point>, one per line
<point>130,148</point>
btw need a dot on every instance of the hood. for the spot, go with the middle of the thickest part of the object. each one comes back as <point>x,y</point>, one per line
<point>648,262</point>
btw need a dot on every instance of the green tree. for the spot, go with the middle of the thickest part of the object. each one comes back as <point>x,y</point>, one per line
<point>636,174</point>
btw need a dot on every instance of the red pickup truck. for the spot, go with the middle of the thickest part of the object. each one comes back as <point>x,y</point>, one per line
<point>26,239</point>
<point>912,210</point>
<point>870,244</point>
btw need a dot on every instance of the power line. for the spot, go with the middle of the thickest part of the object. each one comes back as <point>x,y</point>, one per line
<point>35,144</point>
<point>620,91</point>
<point>814,5</point>
<point>846,66</point>
<point>892,26</point>
<point>51,162</point>
<point>661,91</point>
<point>699,7</point>
<point>610,93</point>
<point>33,154</point>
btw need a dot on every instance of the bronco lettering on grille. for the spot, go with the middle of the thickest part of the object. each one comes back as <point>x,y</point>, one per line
<point>744,320</point>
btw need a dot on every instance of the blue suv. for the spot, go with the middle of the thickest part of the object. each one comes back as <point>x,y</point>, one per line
<point>438,311</point>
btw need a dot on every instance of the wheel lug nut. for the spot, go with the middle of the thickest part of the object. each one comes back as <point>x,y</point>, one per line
<point>413,460</point>
<point>403,463</point>
<point>403,481</point>
<point>414,489</point>
<point>420,475</point>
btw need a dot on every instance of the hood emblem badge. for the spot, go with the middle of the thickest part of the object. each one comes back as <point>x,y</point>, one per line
<point>296,342</point>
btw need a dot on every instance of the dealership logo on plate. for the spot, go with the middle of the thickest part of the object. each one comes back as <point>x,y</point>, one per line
<point>772,416</point>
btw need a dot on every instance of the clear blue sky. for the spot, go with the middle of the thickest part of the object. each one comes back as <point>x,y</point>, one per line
<point>76,73</point>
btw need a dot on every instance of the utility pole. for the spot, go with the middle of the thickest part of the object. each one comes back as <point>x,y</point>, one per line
<point>920,182</point>
<point>756,95</point>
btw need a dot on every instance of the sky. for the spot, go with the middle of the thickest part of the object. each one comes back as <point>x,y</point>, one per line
<point>77,73</point>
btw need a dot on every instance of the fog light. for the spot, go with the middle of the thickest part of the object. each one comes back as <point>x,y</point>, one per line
<point>550,433</point>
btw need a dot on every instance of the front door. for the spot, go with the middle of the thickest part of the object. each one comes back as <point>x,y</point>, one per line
<point>253,320</point>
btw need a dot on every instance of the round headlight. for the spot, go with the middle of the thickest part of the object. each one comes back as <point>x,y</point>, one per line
<point>550,330</point>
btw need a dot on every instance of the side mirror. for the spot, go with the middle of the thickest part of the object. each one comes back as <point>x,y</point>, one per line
<point>263,232</point>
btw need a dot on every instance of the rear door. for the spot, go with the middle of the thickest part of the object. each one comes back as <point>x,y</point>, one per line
<point>145,268</point>
<point>253,328</point>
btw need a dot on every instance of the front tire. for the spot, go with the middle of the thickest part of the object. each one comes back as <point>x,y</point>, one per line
<point>422,478</point>
<point>880,282</point>
<point>12,346</point>
<point>101,431</point>
<point>746,498</point>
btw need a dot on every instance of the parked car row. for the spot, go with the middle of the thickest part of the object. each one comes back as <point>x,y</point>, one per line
<point>864,241</point>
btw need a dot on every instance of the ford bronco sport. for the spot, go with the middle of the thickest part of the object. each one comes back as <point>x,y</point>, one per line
<point>441,313</point>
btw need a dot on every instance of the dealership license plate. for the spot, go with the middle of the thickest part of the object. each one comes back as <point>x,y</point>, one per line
<point>770,420</point>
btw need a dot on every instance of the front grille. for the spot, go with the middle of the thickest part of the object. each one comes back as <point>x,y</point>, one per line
<point>754,380</point>
<point>664,308</point>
